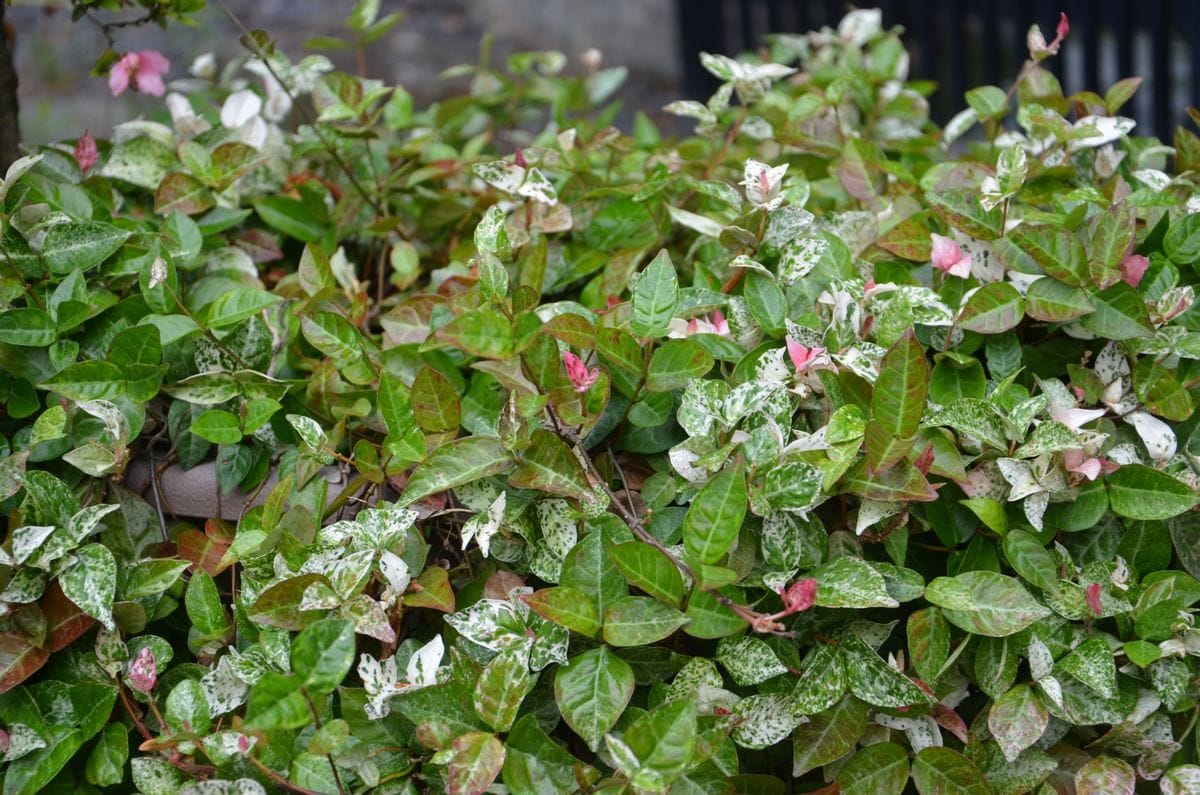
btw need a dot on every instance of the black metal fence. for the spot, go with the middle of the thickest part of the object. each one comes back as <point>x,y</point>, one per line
<point>966,43</point>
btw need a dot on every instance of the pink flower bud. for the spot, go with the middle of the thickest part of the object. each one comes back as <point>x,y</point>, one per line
<point>1093,599</point>
<point>86,153</point>
<point>948,256</point>
<point>799,596</point>
<point>519,158</point>
<point>581,378</point>
<point>143,671</point>
<point>1133,268</point>
<point>1064,27</point>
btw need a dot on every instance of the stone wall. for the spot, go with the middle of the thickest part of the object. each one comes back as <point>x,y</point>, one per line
<point>59,98</point>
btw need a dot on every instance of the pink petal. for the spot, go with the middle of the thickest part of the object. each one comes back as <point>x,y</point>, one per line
<point>1133,269</point>
<point>149,83</point>
<point>118,76</point>
<point>798,354</point>
<point>719,322</point>
<point>153,62</point>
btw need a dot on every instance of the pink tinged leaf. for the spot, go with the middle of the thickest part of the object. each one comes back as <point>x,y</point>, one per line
<point>1093,599</point>
<point>949,720</point>
<point>720,323</point>
<point>1083,464</point>
<point>1064,27</point>
<point>143,672</point>
<point>925,460</point>
<point>1133,269</point>
<point>801,356</point>
<point>5,742</point>
<point>693,326</point>
<point>949,257</point>
<point>764,182</point>
<point>519,159</point>
<point>86,152</point>
<point>799,596</point>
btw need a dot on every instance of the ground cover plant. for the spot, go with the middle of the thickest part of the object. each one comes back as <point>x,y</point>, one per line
<point>819,450</point>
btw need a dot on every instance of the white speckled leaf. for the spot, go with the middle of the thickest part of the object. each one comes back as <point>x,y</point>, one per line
<point>749,660</point>
<point>92,582</point>
<point>765,719</point>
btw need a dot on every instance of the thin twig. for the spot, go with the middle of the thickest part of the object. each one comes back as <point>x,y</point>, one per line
<point>342,164</point>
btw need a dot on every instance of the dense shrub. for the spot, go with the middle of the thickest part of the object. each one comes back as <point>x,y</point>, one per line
<point>822,444</point>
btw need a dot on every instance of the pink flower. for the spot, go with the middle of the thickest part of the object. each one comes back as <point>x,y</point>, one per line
<point>143,671</point>
<point>948,256</point>
<point>1088,466</point>
<point>581,378</point>
<point>799,596</point>
<point>801,356</point>
<point>144,69</point>
<point>1093,599</point>
<point>1133,268</point>
<point>86,153</point>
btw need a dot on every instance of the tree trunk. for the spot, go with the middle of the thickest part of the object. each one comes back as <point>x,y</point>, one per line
<point>10,131</point>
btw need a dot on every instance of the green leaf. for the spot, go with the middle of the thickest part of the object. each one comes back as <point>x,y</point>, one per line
<point>537,765</point>
<point>1053,301</point>
<point>1031,560</point>
<point>992,309</point>
<point>217,426</point>
<point>654,298</point>
<point>187,710</point>
<point>292,217</point>
<point>985,603</point>
<point>1017,719</point>
<point>568,607</point>
<point>276,703</point>
<point>457,463</point>
<point>661,744</point>
<point>960,208</point>
<point>204,608</point>
<point>239,304</point>
<point>106,763</point>
<point>322,655</point>
<point>1055,249</point>
<point>928,635</point>
<point>1104,775</point>
<point>1136,491</point>
<point>27,327</point>
<point>549,465</point>
<point>872,680</point>
<point>851,582</point>
<point>589,569</point>
<point>476,760</point>
<point>1114,231</point>
<point>182,193</point>
<point>32,773</point>
<point>480,332</point>
<point>435,403</point>
<point>880,769</point>
<point>1182,241</point>
<point>990,512</point>
<point>1092,664</point>
<point>941,771</point>
<point>90,380</point>
<point>714,519</point>
<point>828,735</point>
<point>592,690</point>
<point>649,569</point>
<point>501,687</point>
<point>675,363</point>
<point>1120,314</point>
<point>92,582</point>
<point>81,245</point>
<point>902,388</point>
<point>640,621</point>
